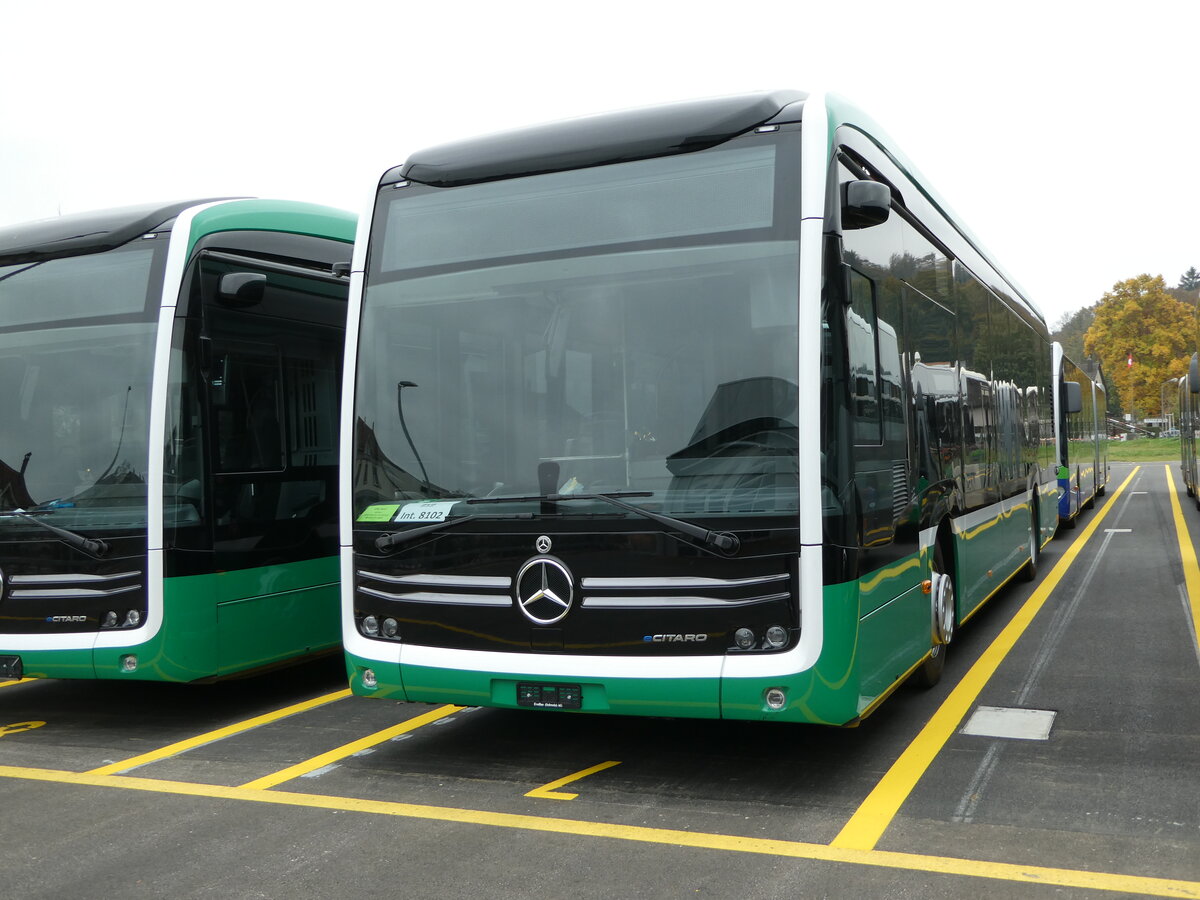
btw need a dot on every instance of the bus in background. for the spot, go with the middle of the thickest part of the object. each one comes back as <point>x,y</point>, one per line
<point>1080,437</point>
<point>169,389</point>
<point>1189,426</point>
<point>707,410</point>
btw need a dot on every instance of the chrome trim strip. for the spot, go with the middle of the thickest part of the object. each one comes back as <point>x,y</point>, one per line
<point>677,582</point>
<point>70,578</point>
<point>502,583</point>
<point>69,593</point>
<point>676,602</point>
<point>448,599</point>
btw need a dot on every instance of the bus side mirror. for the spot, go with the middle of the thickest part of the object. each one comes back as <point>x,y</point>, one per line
<point>1193,375</point>
<point>1073,396</point>
<point>242,288</point>
<point>865,203</point>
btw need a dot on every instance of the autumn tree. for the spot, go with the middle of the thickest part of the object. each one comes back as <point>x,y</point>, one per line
<point>1138,318</point>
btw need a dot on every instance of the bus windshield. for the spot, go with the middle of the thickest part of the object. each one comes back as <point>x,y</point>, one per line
<point>76,353</point>
<point>623,328</point>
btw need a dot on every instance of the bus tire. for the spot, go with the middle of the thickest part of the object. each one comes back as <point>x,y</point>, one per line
<point>943,617</point>
<point>1029,571</point>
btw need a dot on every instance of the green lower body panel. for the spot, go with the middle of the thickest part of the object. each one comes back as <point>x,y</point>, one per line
<point>828,693</point>
<point>214,626</point>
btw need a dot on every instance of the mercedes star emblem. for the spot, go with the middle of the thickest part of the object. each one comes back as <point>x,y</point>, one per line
<point>543,544</point>
<point>545,589</point>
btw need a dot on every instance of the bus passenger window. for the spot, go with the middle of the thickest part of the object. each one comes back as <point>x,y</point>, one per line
<point>861,326</point>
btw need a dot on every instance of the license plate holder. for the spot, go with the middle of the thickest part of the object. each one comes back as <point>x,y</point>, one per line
<point>544,695</point>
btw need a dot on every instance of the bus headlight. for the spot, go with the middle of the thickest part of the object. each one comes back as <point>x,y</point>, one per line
<point>390,627</point>
<point>133,618</point>
<point>744,638</point>
<point>370,625</point>
<point>776,698</point>
<point>368,678</point>
<point>129,663</point>
<point>777,637</point>
<point>109,620</point>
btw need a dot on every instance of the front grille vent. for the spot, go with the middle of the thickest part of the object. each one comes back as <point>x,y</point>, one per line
<point>453,590</point>
<point>73,586</point>
<point>684,592</point>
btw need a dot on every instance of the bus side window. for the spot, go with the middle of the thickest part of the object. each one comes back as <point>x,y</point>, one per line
<point>861,328</point>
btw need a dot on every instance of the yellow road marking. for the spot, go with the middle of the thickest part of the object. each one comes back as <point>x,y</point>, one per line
<point>4,684</point>
<point>18,727</point>
<point>211,736</point>
<point>269,781</point>
<point>1191,571</point>
<point>913,862</point>
<point>549,792</point>
<point>871,819</point>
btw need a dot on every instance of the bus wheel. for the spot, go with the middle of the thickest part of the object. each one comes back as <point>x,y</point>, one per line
<point>942,616</point>
<point>1030,569</point>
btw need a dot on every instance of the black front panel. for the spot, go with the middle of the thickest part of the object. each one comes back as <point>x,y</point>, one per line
<point>50,588</point>
<point>637,593</point>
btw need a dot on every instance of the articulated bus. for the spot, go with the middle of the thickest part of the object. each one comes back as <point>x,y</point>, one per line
<point>704,410</point>
<point>1080,437</point>
<point>169,390</point>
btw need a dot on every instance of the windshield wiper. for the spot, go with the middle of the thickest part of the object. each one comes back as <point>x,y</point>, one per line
<point>721,540</point>
<point>93,546</point>
<point>394,539</point>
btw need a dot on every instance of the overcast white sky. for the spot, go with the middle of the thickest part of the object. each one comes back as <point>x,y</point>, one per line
<point>1064,134</point>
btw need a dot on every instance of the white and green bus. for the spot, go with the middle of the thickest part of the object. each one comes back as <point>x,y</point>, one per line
<point>710,409</point>
<point>1080,436</point>
<point>169,389</point>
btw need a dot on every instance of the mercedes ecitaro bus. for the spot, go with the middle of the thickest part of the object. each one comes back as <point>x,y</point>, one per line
<point>705,410</point>
<point>1080,436</point>
<point>169,389</point>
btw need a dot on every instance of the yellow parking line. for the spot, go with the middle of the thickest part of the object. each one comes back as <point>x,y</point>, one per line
<point>913,862</point>
<point>4,684</point>
<point>325,759</point>
<point>1191,571</point>
<point>211,736</point>
<point>550,792</point>
<point>871,819</point>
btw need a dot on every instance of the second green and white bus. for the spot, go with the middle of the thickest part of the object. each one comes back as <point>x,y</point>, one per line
<point>169,389</point>
<point>707,410</point>
<point>1080,436</point>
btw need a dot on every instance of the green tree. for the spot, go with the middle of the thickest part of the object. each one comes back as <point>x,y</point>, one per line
<point>1139,319</point>
<point>1190,280</point>
<point>1070,332</point>
<point>1071,328</point>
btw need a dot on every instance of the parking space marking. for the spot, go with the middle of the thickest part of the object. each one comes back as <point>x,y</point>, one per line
<point>325,760</point>
<point>219,734</point>
<point>12,681</point>
<point>1191,571</point>
<point>887,859</point>
<point>550,791</point>
<point>18,727</point>
<point>868,823</point>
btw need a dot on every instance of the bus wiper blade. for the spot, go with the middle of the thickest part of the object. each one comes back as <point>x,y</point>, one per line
<point>93,546</point>
<point>386,542</point>
<point>721,540</point>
